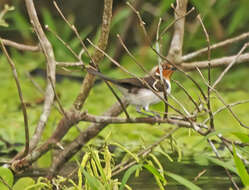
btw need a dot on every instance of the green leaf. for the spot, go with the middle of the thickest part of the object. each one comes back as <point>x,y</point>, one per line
<point>126,150</point>
<point>94,183</point>
<point>127,175</point>
<point>243,174</point>
<point>155,172</point>
<point>242,136</point>
<point>7,177</point>
<point>183,181</point>
<point>23,183</point>
<point>223,164</point>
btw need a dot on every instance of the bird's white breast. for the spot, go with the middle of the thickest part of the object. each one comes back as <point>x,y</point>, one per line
<point>144,96</point>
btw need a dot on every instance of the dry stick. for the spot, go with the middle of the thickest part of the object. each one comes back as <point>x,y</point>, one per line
<point>73,28</point>
<point>173,22</point>
<point>63,42</point>
<point>166,108</point>
<point>230,65</point>
<point>214,46</point>
<point>49,54</point>
<point>225,107</point>
<point>209,76</point>
<point>218,156</point>
<point>38,87</point>
<point>150,120</point>
<point>222,100</point>
<point>18,85</point>
<point>19,46</point>
<point>61,109</point>
<point>126,28</point>
<point>215,62</point>
<point>119,100</point>
<point>186,92</point>
<point>141,22</point>
<point>70,64</point>
<point>132,56</point>
<point>122,166</point>
<point>97,57</point>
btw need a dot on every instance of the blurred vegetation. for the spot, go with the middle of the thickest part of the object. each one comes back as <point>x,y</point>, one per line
<point>222,18</point>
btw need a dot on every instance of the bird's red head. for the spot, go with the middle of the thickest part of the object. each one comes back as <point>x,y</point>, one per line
<point>167,70</point>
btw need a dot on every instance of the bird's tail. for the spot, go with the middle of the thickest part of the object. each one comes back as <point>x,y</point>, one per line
<point>100,75</point>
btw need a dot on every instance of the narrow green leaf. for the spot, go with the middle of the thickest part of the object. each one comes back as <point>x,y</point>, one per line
<point>94,183</point>
<point>183,181</point>
<point>242,136</point>
<point>154,171</point>
<point>127,175</point>
<point>223,164</point>
<point>244,176</point>
<point>126,150</point>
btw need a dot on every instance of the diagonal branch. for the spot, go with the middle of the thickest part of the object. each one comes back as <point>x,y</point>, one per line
<point>98,55</point>
<point>25,116</point>
<point>51,66</point>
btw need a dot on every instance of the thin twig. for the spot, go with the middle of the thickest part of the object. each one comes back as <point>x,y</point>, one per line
<point>123,166</point>
<point>218,156</point>
<point>225,107</point>
<point>119,100</point>
<point>70,64</point>
<point>186,92</point>
<point>132,56</point>
<point>173,22</point>
<point>223,61</point>
<point>20,46</point>
<point>230,65</point>
<point>222,100</point>
<point>18,85</point>
<point>209,75</point>
<point>61,109</point>
<point>141,22</point>
<point>214,46</point>
<point>63,42</point>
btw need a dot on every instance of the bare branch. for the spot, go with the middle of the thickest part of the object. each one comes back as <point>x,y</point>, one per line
<point>19,46</point>
<point>215,62</point>
<point>51,66</point>
<point>175,50</point>
<point>230,65</point>
<point>25,116</point>
<point>70,64</point>
<point>83,138</point>
<point>98,56</point>
<point>214,46</point>
<point>209,75</point>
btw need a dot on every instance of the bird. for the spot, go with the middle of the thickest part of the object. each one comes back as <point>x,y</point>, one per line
<point>144,91</point>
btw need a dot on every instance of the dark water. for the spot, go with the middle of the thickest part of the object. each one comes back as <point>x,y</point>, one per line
<point>214,178</point>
